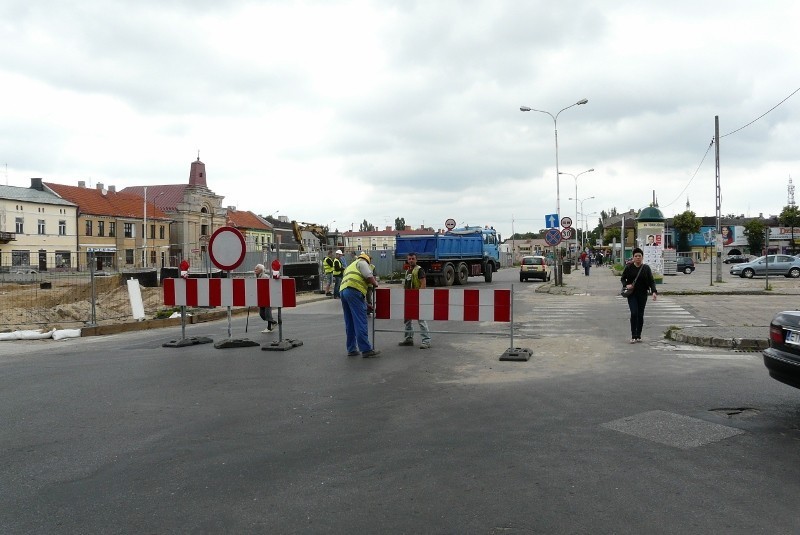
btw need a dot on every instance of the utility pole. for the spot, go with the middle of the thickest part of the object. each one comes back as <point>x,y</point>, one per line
<point>718,236</point>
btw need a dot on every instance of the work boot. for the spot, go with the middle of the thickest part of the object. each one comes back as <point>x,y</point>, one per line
<point>407,342</point>
<point>370,354</point>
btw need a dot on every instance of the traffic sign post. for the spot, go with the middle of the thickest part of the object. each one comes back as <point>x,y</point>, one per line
<point>566,222</point>
<point>553,237</point>
<point>551,221</point>
<point>226,249</point>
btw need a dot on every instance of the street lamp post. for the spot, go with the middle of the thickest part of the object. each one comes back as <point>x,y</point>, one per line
<point>583,233</point>
<point>559,280</point>
<point>575,177</point>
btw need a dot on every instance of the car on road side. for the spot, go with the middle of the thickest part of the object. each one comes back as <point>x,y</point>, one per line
<point>782,357</point>
<point>534,267</point>
<point>685,264</point>
<point>779,264</point>
<point>736,259</point>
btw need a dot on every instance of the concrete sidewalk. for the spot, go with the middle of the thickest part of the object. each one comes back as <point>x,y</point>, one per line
<point>722,310</point>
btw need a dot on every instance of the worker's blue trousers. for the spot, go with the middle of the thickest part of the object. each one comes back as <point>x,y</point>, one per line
<point>354,306</point>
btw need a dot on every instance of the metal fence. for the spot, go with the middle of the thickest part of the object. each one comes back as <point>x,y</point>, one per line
<point>58,296</point>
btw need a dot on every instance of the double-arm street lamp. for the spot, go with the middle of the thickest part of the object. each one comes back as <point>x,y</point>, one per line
<point>559,280</point>
<point>576,199</point>
<point>583,214</point>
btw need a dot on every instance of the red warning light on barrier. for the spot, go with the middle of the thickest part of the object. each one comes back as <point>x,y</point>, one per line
<point>276,265</point>
<point>184,267</point>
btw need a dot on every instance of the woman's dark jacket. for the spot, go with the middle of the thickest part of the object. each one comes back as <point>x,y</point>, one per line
<point>645,281</point>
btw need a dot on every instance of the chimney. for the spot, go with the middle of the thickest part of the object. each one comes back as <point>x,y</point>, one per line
<point>197,174</point>
<point>232,208</point>
<point>81,183</point>
<point>99,186</point>
<point>36,183</point>
<point>112,189</point>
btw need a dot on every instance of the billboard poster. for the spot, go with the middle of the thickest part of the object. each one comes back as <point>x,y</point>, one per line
<point>650,237</point>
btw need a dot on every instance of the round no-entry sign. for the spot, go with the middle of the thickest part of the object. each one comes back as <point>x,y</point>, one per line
<point>566,222</point>
<point>226,248</point>
<point>450,224</point>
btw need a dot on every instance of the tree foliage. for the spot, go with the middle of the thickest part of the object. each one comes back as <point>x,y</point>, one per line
<point>754,230</point>
<point>366,227</point>
<point>685,224</point>
<point>399,223</point>
<point>790,217</point>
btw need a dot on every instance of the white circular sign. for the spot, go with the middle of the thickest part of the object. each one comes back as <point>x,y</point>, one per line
<point>566,233</point>
<point>566,222</point>
<point>226,248</point>
<point>450,224</point>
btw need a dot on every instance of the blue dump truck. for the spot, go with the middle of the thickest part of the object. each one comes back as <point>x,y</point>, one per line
<point>453,256</point>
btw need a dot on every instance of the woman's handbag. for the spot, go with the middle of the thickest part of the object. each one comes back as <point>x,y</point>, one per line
<point>627,292</point>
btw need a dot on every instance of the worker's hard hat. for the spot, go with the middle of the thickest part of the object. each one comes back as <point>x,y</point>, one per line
<point>365,256</point>
<point>339,251</point>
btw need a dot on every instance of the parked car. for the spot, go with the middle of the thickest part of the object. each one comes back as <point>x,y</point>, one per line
<point>782,357</point>
<point>534,267</point>
<point>685,264</point>
<point>779,264</point>
<point>736,259</point>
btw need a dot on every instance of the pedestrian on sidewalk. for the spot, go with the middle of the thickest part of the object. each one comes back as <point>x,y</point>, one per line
<point>414,279</point>
<point>639,277</point>
<point>586,262</point>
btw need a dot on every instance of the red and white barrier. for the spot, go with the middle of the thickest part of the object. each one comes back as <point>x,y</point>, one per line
<point>443,304</point>
<point>275,293</point>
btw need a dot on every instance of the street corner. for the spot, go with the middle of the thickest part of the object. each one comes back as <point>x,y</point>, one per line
<point>735,338</point>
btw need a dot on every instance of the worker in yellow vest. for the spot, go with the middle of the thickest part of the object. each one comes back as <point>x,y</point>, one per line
<point>338,273</point>
<point>357,278</point>
<point>327,272</point>
<point>414,280</point>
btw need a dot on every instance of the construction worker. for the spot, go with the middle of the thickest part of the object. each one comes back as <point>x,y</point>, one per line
<point>357,278</point>
<point>327,271</point>
<point>338,271</point>
<point>414,280</point>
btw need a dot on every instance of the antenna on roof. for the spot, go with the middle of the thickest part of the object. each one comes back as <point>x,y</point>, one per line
<point>198,155</point>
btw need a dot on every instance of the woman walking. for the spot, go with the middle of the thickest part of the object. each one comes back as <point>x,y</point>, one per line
<point>639,278</point>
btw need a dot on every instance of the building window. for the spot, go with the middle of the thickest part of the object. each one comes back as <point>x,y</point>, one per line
<point>40,227</point>
<point>128,254</point>
<point>62,227</point>
<point>101,228</point>
<point>161,232</point>
<point>112,229</point>
<point>62,259</point>
<point>153,233</point>
<point>20,258</point>
<point>153,257</point>
<point>129,233</point>
<point>20,226</point>
<point>88,227</point>
<point>204,230</point>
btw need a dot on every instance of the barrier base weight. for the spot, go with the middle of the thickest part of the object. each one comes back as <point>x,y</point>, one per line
<point>516,353</point>
<point>281,345</point>
<point>234,342</point>
<point>183,342</point>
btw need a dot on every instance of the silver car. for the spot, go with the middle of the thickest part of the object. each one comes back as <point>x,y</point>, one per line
<point>779,264</point>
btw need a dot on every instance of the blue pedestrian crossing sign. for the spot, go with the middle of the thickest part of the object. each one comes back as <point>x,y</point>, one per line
<point>551,221</point>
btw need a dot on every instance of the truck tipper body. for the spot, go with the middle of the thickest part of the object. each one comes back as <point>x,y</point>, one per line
<point>452,257</point>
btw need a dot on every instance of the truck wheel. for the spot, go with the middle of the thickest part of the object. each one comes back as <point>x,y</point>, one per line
<point>462,274</point>
<point>449,274</point>
<point>487,273</point>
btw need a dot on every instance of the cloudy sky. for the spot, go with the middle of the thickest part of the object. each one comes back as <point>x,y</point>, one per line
<point>344,111</point>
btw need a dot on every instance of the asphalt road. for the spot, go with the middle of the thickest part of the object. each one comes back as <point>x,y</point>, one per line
<point>592,435</point>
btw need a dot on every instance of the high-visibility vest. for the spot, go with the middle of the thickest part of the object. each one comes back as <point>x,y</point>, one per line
<point>354,279</point>
<point>337,267</point>
<point>415,282</point>
<point>327,265</point>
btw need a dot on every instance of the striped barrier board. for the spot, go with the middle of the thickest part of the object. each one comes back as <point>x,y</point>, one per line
<point>275,293</point>
<point>443,304</point>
